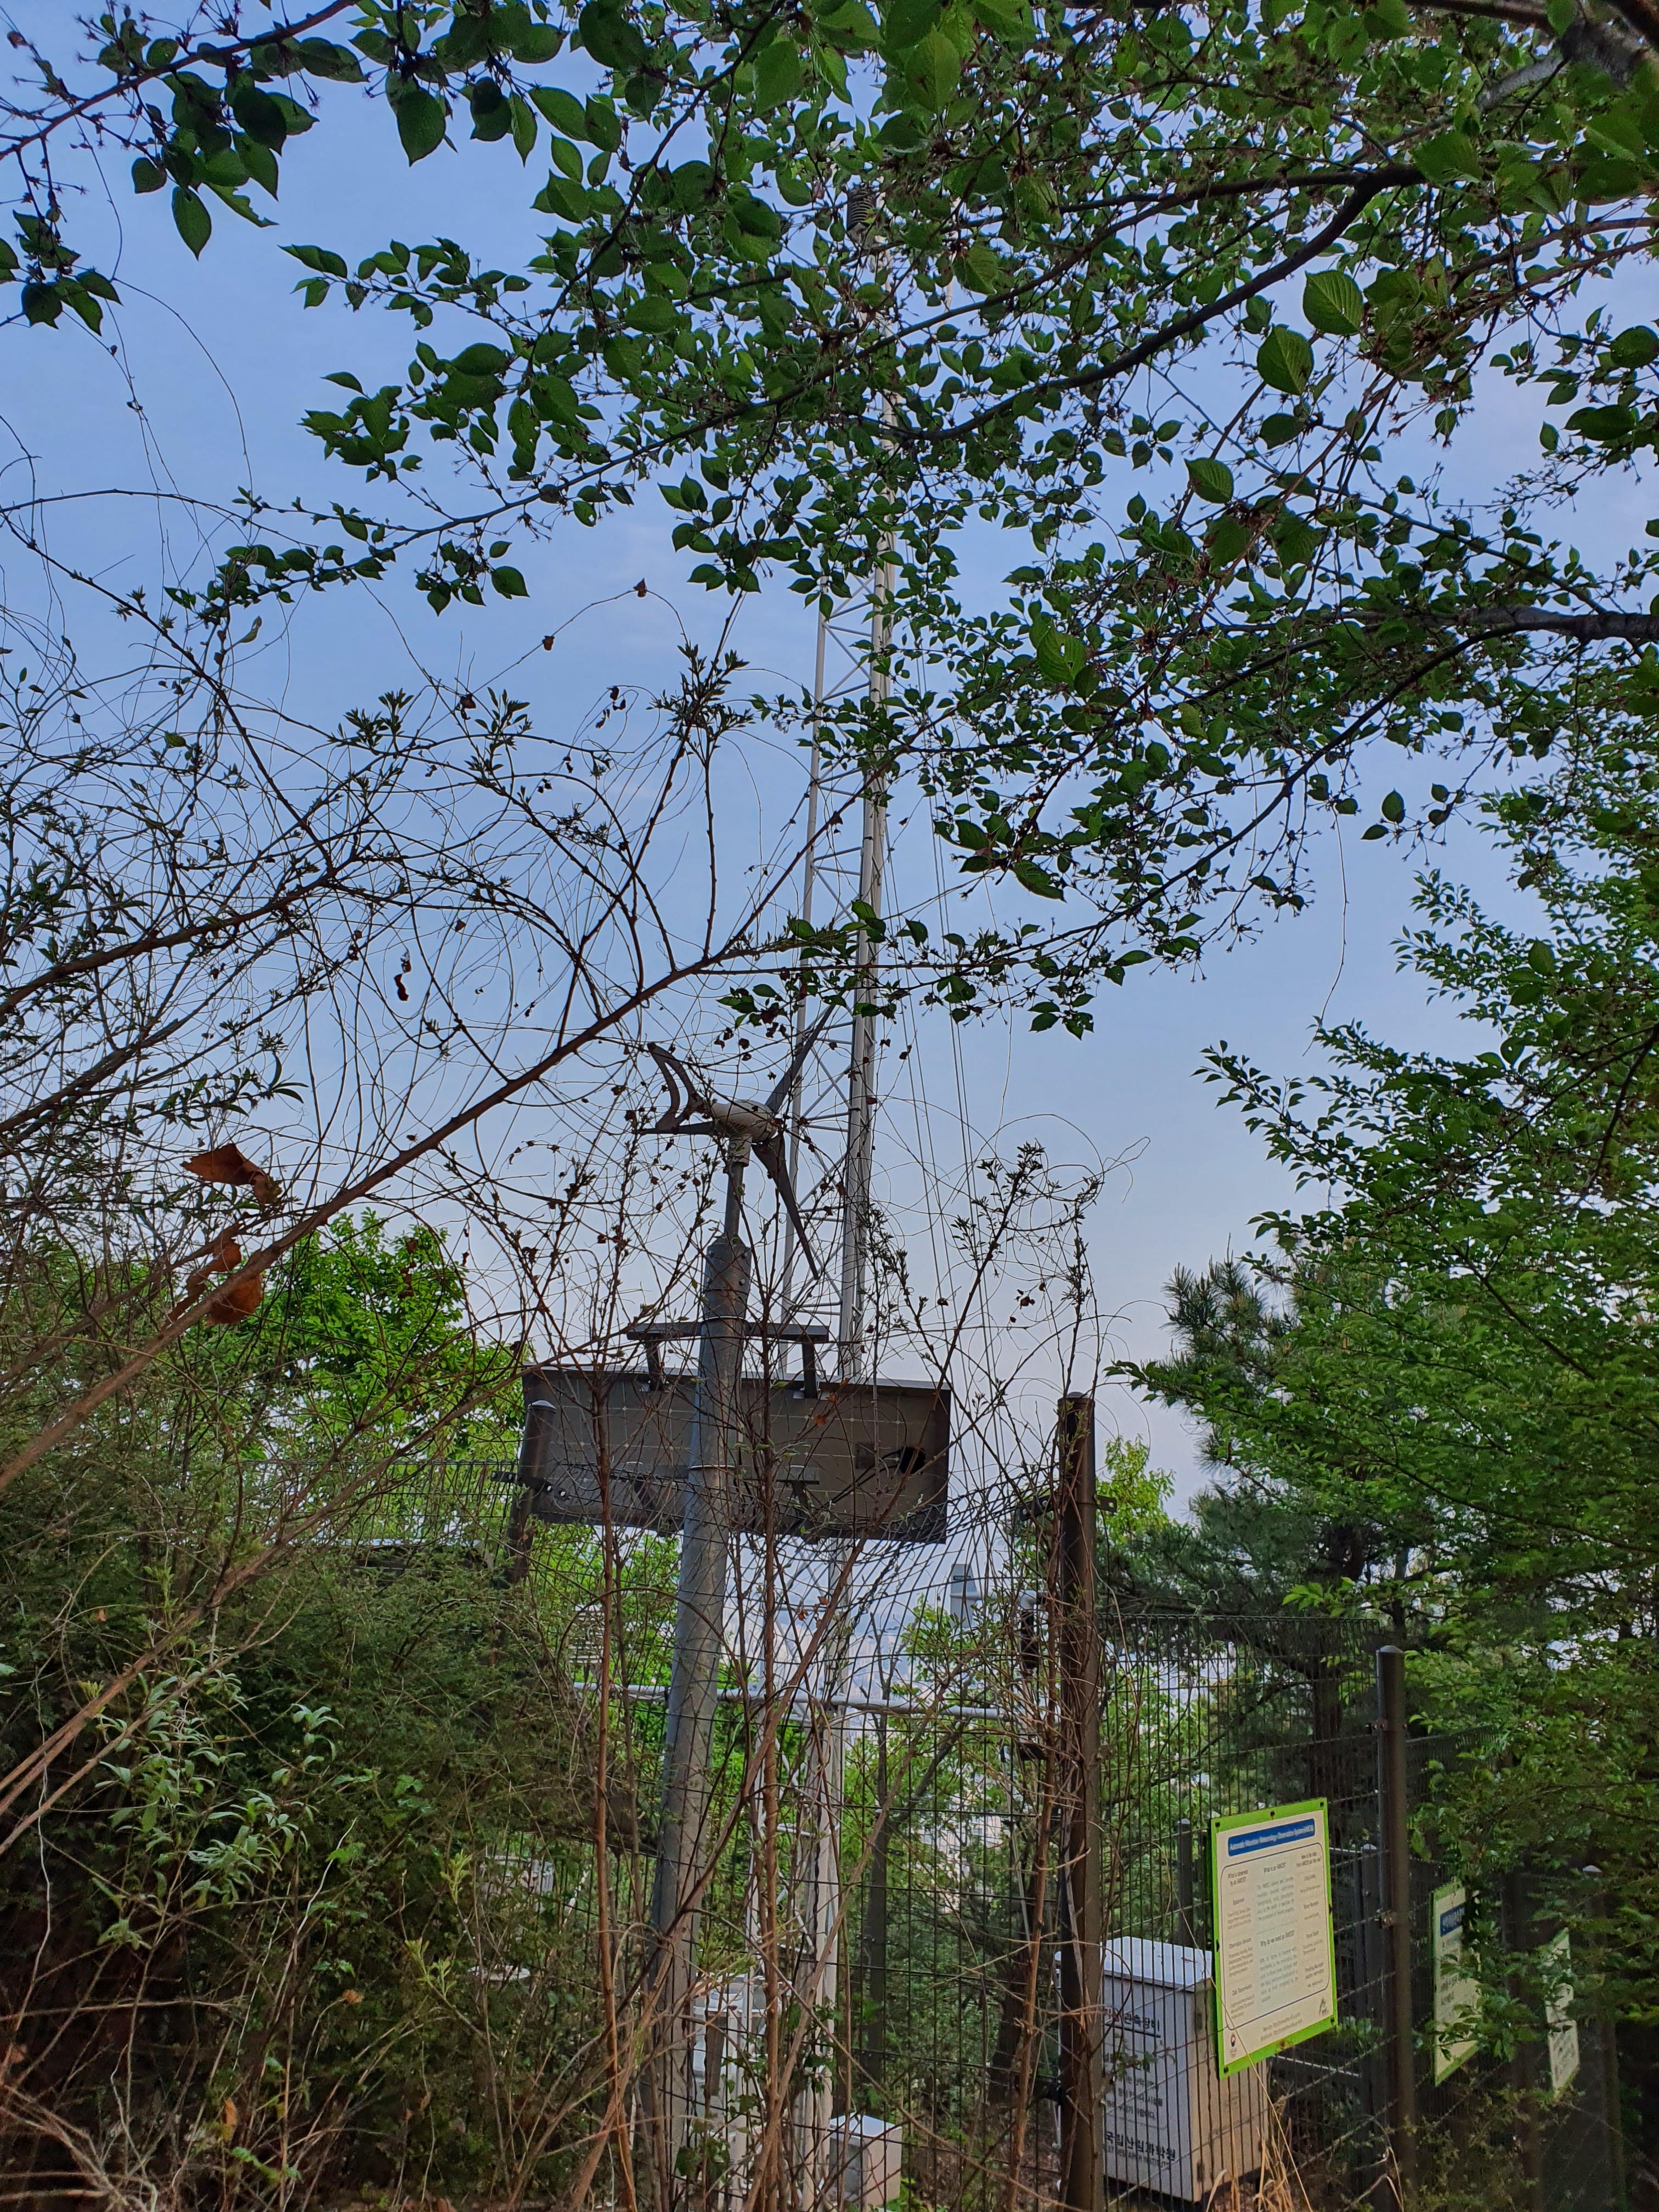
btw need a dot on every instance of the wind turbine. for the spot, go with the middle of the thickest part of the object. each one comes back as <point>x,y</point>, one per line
<point>756,1124</point>
<point>745,1126</point>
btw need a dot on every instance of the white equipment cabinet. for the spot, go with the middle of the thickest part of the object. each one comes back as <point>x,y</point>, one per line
<point>866,2159</point>
<point>1172,2123</point>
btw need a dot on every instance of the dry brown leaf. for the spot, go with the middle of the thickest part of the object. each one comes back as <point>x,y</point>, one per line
<point>229,1163</point>
<point>222,1257</point>
<point>231,2116</point>
<point>237,1303</point>
<point>222,1254</point>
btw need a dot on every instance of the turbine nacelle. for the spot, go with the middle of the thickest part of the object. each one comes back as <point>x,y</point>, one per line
<point>695,1110</point>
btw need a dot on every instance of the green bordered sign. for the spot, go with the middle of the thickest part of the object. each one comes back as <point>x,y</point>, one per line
<point>1275,1952</point>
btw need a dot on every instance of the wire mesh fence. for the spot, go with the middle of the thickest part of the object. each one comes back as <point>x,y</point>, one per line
<point>879,2005</point>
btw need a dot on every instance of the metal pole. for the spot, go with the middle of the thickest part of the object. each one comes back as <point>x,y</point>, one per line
<point>694,1681</point>
<point>1397,1880</point>
<point>808,884</point>
<point>861,1073</point>
<point>822,1992</point>
<point>1373,2170</point>
<point>872,1992</point>
<point>1611,2103</point>
<point>1525,2068</point>
<point>1185,1928</point>
<point>1082,2024</point>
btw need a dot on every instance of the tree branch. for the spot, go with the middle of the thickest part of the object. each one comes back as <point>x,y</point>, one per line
<point>1599,624</point>
<point>1183,326</point>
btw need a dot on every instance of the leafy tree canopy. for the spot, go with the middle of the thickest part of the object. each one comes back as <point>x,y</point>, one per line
<point>1450,1363</point>
<point>1182,301</point>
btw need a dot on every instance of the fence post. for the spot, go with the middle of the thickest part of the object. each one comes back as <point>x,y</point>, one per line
<point>1376,2186</point>
<point>1186,1924</point>
<point>1612,2104</point>
<point>1397,1891</point>
<point>1518,1934</point>
<point>1082,2027</point>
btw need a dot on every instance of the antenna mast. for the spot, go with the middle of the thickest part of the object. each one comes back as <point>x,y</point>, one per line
<point>861,1073</point>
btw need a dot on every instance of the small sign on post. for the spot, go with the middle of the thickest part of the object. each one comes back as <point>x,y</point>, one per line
<point>1562,2029</point>
<point>1275,1952</point>
<point>1456,1992</point>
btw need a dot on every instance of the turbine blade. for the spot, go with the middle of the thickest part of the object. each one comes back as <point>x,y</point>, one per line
<point>770,1152</point>
<point>684,1095</point>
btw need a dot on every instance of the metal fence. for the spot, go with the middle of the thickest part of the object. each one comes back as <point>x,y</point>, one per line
<point>954,2010</point>
<point>895,1890</point>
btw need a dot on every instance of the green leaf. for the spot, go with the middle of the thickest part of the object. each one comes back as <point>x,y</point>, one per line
<point>567,158</point>
<point>1211,479</point>
<point>654,314</point>
<point>42,303</point>
<point>777,74</point>
<point>1037,879</point>
<point>422,118</point>
<point>1393,808</point>
<point>755,217</point>
<point>191,219</point>
<point>492,110</point>
<point>321,57</point>
<point>1279,429</point>
<point>1284,360</point>
<point>907,22</point>
<point>610,37</point>
<point>241,204</point>
<point>1604,424</point>
<point>1296,539</point>
<point>1447,157</point>
<point>259,116</point>
<point>317,258</point>
<point>509,583</point>
<point>261,165</point>
<point>1333,302</point>
<point>536,44</point>
<point>1617,131</point>
<point>932,68</point>
<point>602,125</point>
<point>147,177</point>
<point>1007,19</point>
<point>523,127</point>
<point>902,133</point>
<point>1635,347</point>
<point>77,297</point>
<point>1059,656</point>
<point>481,360</point>
<point>982,267</point>
<point>560,195</point>
<point>561,109</point>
